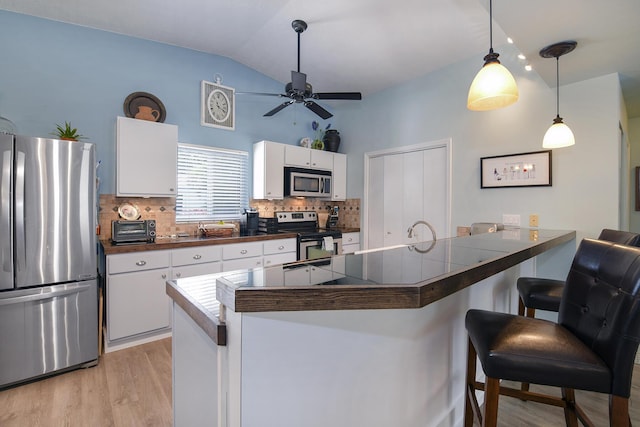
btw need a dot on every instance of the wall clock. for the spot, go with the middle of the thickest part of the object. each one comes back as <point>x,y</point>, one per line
<point>218,105</point>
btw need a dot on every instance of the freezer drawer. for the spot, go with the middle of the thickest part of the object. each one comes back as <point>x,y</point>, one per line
<point>47,329</point>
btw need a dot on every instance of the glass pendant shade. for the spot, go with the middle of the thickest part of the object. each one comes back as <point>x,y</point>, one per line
<point>493,87</point>
<point>558,135</point>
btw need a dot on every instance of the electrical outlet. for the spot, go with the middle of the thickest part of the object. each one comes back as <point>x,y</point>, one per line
<point>533,220</point>
<point>511,220</point>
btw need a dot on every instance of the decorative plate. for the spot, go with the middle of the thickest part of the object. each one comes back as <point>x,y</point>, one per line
<point>128,211</point>
<point>134,101</point>
<point>305,142</point>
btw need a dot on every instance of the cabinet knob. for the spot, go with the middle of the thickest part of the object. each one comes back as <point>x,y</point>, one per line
<point>178,274</point>
<point>164,276</point>
<point>141,263</point>
<point>197,256</point>
<point>244,251</point>
<point>280,247</point>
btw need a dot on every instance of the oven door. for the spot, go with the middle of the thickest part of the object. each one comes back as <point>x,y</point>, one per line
<point>314,248</point>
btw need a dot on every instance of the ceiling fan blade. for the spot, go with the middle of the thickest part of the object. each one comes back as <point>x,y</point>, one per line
<point>317,109</point>
<point>262,94</point>
<point>298,81</point>
<point>278,108</point>
<point>357,96</point>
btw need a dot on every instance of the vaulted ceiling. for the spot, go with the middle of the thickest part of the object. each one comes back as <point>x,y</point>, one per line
<point>369,45</point>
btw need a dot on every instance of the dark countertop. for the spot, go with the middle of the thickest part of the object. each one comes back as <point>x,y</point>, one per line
<point>414,276</point>
<point>186,242</point>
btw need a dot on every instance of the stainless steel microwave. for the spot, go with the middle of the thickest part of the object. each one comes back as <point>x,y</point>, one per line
<point>299,182</point>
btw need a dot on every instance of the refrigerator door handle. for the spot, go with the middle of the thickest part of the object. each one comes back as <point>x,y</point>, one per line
<point>5,213</point>
<point>44,295</point>
<point>21,246</point>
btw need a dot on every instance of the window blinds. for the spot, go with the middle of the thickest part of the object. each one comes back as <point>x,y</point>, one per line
<point>212,183</point>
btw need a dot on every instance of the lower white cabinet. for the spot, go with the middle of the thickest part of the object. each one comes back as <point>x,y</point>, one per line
<point>136,299</point>
<point>137,306</point>
<point>196,261</point>
<point>138,303</point>
<point>350,242</point>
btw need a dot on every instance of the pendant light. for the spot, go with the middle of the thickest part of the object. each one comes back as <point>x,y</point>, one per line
<point>558,135</point>
<point>494,86</point>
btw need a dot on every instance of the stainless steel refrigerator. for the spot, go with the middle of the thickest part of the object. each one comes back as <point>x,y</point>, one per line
<point>48,274</point>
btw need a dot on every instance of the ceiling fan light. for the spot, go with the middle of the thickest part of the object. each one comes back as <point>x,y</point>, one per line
<point>558,135</point>
<point>493,87</point>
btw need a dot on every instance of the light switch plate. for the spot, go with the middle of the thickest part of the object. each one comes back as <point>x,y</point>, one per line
<point>511,220</point>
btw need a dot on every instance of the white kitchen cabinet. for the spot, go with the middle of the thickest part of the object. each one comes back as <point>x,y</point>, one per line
<point>237,256</point>
<point>308,158</point>
<point>279,251</point>
<point>196,261</point>
<point>350,242</point>
<point>136,299</point>
<point>308,275</point>
<point>146,158</point>
<point>268,170</point>
<point>138,308</point>
<point>339,177</point>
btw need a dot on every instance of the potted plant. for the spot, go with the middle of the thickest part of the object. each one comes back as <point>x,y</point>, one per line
<point>67,132</point>
<point>318,142</point>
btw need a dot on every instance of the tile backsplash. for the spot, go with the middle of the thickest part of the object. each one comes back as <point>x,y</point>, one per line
<point>163,211</point>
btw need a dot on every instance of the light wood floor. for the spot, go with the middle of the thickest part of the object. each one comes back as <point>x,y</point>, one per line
<point>132,387</point>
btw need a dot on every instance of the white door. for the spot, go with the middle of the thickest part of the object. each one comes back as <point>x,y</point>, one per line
<point>405,185</point>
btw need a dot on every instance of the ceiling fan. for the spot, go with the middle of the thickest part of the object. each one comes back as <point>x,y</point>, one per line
<point>299,91</point>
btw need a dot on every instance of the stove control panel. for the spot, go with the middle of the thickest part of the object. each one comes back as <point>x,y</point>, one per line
<point>296,216</point>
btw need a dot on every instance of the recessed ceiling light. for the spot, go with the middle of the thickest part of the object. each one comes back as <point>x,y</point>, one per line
<point>509,40</point>
<point>528,67</point>
<point>521,56</point>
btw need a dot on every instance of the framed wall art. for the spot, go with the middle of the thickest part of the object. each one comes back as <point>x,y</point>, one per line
<point>516,170</point>
<point>638,188</point>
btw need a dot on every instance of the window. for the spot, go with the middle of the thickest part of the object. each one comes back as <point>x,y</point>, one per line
<point>212,183</point>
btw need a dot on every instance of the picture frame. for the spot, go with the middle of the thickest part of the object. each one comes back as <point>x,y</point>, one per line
<point>637,188</point>
<point>531,169</point>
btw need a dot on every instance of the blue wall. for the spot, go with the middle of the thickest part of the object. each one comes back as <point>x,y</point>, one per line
<point>54,72</point>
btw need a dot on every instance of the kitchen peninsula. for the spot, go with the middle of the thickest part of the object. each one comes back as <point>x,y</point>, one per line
<point>374,338</point>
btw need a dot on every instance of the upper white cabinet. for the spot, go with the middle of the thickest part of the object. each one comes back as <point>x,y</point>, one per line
<point>270,158</point>
<point>268,170</point>
<point>339,176</point>
<point>146,158</point>
<point>307,158</point>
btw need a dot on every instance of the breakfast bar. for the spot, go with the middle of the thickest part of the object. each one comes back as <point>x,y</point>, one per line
<point>374,338</point>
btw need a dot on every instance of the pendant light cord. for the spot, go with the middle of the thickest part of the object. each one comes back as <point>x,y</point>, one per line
<point>490,27</point>
<point>557,86</point>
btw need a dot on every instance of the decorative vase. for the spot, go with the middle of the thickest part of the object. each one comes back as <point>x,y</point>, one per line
<point>331,140</point>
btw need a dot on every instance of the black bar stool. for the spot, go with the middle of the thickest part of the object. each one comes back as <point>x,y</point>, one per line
<point>592,347</point>
<point>544,294</point>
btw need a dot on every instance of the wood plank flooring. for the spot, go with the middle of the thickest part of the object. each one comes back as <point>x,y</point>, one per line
<point>132,387</point>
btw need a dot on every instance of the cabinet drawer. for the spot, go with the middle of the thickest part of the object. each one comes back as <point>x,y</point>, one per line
<point>276,259</point>
<point>350,238</point>
<point>195,270</point>
<point>242,264</point>
<point>241,250</point>
<point>199,255</point>
<point>279,246</point>
<point>139,261</point>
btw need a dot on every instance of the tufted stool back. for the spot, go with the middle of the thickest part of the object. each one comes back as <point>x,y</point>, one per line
<point>601,306</point>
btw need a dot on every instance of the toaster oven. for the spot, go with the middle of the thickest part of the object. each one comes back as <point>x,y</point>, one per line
<point>137,231</point>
